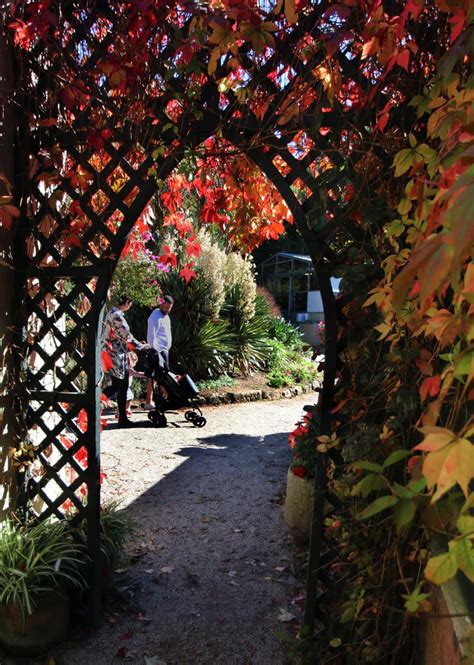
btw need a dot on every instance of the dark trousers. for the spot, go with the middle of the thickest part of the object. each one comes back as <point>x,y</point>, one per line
<point>119,386</point>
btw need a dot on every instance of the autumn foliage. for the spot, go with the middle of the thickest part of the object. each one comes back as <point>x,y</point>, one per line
<point>352,120</point>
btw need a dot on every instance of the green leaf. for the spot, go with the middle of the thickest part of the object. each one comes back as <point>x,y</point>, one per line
<point>368,466</point>
<point>395,457</point>
<point>417,485</point>
<point>404,206</point>
<point>465,524</point>
<point>415,599</point>
<point>403,513</point>
<point>403,160</point>
<point>465,557</point>
<point>370,483</point>
<point>378,505</point>
<point>464,363</point>
<point>441,568</point>
<point>402,491</point>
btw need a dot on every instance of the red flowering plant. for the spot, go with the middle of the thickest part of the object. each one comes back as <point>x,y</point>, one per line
<point>303,442</point>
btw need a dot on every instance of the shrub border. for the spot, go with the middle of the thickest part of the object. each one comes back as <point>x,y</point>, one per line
<point>233,397</point>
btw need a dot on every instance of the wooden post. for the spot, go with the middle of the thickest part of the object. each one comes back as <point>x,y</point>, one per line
<point>7,271</point>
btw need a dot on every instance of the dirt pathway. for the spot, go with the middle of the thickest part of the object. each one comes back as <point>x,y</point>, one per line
<point>211,578</point>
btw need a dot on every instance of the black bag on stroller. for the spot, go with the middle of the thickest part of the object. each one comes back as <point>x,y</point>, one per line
<point>170,391</point>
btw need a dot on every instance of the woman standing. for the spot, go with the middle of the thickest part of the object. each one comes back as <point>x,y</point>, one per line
<point>116,341</point>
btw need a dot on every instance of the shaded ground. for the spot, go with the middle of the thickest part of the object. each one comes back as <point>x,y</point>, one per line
<point>211,579</point>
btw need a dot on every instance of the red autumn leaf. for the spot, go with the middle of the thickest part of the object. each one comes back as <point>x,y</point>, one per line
<point>107,363</point>
<point>171,200</point>
<point>82,420</point>
<point>22,36</point>
<point>404,59</point>
<point>95,141</point>
<point>458,21</point>
<point>121,652</point>
<point>68,97</point>
<point>187,274</point>
<point>430,386</point>
<point>169,257</point>
<point>67,443</point>
<point>70,239</point>
<point>339,406</point>
<point>7,213</point>
<point>299,471</point>
<point>81,456</point>
<point>193,248</point>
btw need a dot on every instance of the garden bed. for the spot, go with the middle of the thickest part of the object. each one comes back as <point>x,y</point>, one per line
<point>253,388</point>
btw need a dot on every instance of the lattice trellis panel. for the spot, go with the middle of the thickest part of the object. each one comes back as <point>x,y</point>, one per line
<point>95,159</point>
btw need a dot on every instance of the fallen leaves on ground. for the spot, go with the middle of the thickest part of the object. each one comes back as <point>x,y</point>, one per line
<point>285,616</point>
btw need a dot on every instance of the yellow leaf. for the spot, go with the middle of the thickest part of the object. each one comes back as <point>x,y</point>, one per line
<point>384,329</point>
<point>449,465</point>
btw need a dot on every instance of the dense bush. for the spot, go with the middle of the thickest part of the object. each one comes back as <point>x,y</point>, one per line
<point>136,279</point>
<point>288,366</point>
<point>221,323</point>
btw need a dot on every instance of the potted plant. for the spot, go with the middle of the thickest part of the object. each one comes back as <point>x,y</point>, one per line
<point>300,480</point>
<point>37,564</point>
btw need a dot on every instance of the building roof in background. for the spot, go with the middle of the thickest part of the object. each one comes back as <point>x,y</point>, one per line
<point>304,258</point>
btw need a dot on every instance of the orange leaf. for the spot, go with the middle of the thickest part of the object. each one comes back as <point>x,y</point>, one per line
<point>435,439</point>
<point>420,256</point>
<point>430,386</point>
<point>290,11</point>
<point>435,269</point>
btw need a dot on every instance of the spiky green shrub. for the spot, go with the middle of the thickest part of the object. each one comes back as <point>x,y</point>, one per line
<point>206,351</point>
<point>252,350</point>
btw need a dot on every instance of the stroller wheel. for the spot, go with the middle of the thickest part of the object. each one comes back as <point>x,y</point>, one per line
<point>199,421</point>
<point>158,419</point>
<point>190,415</point>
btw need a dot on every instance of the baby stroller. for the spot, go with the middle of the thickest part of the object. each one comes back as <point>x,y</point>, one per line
<point>170,391</point>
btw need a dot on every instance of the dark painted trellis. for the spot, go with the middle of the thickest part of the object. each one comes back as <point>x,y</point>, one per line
<point>65,277</point>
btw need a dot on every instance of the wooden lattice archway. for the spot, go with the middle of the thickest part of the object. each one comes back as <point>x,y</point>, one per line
<point>72,114</point>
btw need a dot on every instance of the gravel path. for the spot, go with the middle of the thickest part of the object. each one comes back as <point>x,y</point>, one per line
<point>211,576</point>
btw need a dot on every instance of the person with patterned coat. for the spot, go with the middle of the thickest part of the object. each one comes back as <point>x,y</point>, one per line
<point>117,341</point>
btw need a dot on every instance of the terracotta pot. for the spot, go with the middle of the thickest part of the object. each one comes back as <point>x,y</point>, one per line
<point>299,504</point>
<point>37,632</point>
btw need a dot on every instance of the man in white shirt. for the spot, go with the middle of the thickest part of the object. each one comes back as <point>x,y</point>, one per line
<point>159,337</point>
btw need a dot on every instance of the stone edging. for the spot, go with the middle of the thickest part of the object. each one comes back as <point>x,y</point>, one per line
<point>231,397</point>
